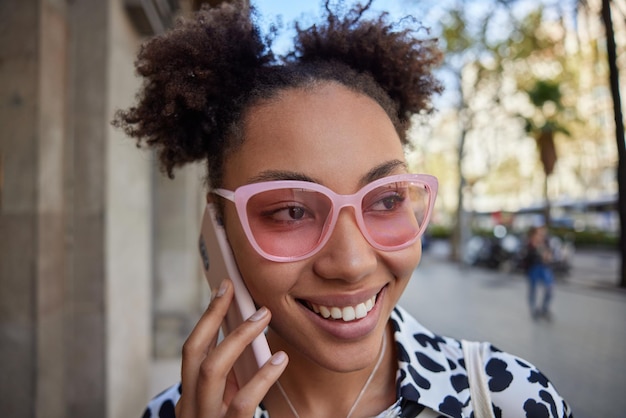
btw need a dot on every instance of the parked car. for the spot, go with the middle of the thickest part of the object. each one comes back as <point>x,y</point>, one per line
<point>506,251</point>
<point>496,251</point>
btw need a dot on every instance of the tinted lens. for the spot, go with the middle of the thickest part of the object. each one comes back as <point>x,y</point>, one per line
<point>288,222</point>
<point>394,213</point>
<point>291,222</point>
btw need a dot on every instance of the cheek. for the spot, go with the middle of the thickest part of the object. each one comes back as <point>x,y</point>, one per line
<point>266,281</point>
<point>408,259</point>
<point>402,263</point>
<point>270,283</point>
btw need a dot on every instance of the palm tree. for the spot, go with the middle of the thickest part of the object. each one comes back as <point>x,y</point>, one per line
<point>545,96</point>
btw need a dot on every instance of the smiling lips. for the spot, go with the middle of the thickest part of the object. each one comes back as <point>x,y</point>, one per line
<point>346,313</point>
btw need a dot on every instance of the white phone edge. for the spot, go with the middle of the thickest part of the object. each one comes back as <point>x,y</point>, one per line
<point>242,298</point>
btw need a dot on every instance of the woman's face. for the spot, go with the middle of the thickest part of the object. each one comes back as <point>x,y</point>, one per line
<point>342,140</point>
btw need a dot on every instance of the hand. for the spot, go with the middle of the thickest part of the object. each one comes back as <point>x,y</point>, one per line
<point>209,387</point>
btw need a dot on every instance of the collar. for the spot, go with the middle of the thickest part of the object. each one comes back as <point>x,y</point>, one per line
<point>429,372</point>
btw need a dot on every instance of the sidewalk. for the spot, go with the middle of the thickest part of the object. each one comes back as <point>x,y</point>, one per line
<point>595,268</point>
<point>580,350</point>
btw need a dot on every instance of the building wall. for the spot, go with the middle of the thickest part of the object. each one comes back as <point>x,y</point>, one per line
<point>99,273</point>
<point>76,257</point>
<point>129,219</point>
<point>19,221</point>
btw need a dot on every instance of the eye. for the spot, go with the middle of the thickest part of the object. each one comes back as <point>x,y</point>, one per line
<point>287,213</point>
<point>391,202</point>
<point>385,199</point>
<point>388,202</point>
<point>295,212</point>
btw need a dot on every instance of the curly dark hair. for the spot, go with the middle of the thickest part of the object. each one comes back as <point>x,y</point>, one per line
<point>202,76</point>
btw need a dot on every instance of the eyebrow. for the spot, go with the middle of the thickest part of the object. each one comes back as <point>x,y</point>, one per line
<point>380,171</point>
<point>274,175</point>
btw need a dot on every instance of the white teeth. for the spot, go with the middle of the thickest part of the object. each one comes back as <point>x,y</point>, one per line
<point>347,313</point>
<point>361,310</point>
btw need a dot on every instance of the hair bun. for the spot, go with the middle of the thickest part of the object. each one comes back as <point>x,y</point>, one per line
<point>392,53</point>
<point>192,74</point>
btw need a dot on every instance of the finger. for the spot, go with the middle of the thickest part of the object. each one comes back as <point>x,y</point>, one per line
<point>232,387</point>
<point>219,362</point>
<point>251,395</point>
<point>201,340</point>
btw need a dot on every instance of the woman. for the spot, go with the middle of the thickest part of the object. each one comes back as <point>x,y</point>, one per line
<point>330,117</point>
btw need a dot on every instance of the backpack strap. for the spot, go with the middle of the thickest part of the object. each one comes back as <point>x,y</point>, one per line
<point>479,391</point>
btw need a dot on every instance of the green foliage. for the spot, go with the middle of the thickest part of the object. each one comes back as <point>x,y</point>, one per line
<point>454,33</point>
<point>544,91</point>
<point>437,231</point>
<point>587,238</point>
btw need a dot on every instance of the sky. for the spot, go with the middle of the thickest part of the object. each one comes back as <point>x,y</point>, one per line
<point>308,11</point>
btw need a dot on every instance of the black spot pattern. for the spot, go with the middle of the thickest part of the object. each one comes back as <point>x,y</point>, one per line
<point>424,340</point>
<point>459,382</point>
<point>535,410</point>
<point>462,363</point>
<point>547,398</point>
<point>409,392</point>
<point>501,378</point>
<point>565,408</point>
<point>398,314</point>
<point>395,326</point>
<point>494,349</point>
<point>538,377</point>
<point>428,363</point>
<point>420,380</point>
<point>167,410</point>
<point>452,407</point>
<point>402,354</point>
<point>401,375</point>
<point>497,411</point>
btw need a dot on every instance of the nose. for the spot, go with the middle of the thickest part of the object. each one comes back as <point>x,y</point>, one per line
<point>347,255</point>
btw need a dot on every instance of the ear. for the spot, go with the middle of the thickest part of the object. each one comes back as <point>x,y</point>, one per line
<point>209,197</point>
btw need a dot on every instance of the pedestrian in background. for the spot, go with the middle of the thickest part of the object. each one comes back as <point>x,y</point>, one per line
<point>539,272</point>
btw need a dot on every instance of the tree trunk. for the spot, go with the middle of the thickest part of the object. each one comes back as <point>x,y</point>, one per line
<point>459,233</point>
<point>548,157</point>
<point>547,208</point>
<point>619,132</point>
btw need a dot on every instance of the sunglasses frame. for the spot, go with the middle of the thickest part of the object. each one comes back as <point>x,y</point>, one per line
<point>338,201</point>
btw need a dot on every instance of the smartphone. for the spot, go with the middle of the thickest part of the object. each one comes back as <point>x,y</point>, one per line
<point>218,264</point>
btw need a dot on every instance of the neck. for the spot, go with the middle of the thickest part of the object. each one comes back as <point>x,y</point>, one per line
<point>306,383</point>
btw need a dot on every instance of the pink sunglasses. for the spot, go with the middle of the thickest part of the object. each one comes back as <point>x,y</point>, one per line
<point>289,220</point>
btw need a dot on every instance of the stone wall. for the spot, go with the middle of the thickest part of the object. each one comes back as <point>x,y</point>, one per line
<point>99,272</point>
